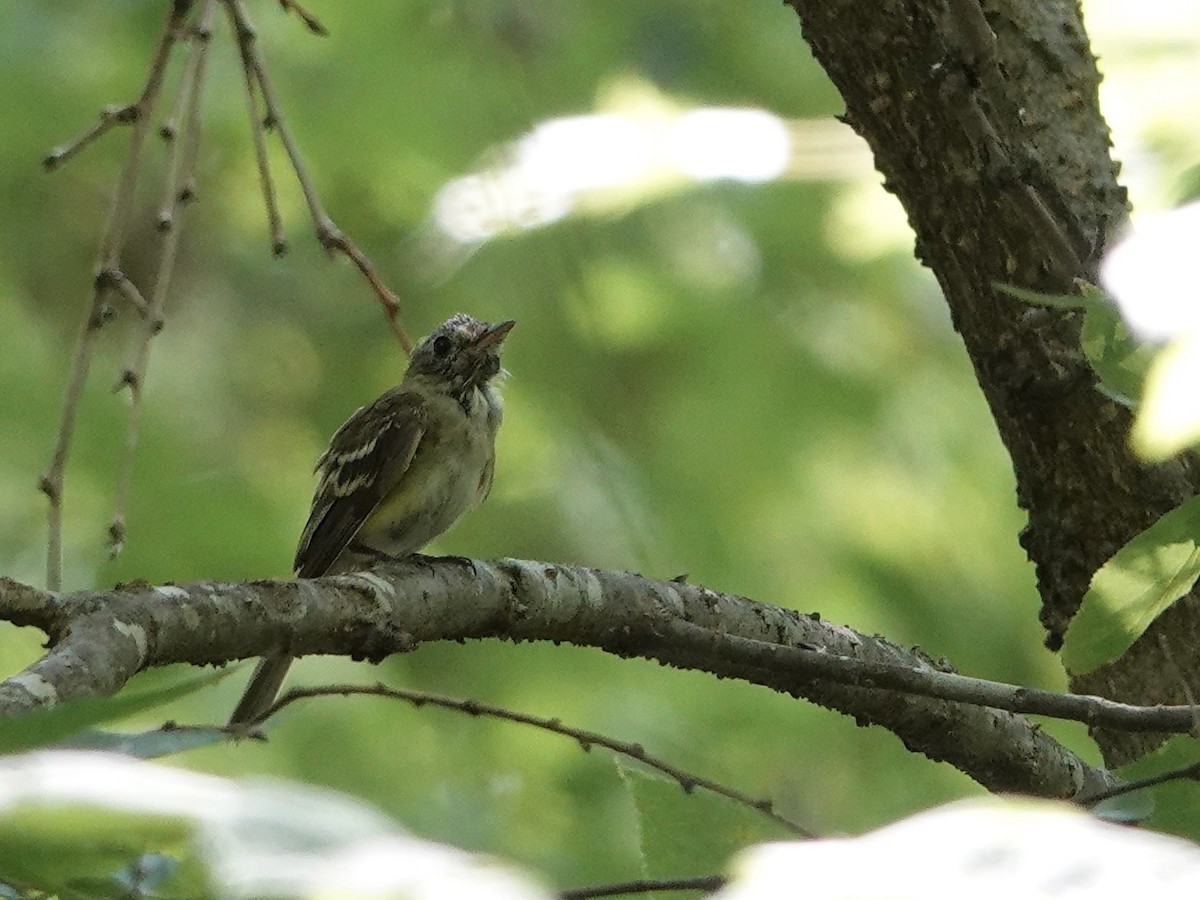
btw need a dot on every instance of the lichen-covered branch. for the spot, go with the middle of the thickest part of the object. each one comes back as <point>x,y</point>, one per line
<point>102,638</point>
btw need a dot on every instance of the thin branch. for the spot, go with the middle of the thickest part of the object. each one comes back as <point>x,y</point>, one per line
<point>707,883</point>
<point>329,235</point>
<point>29,607</point>
<point>585,739</point>
<point>1181,679</point>
<point>274,221</point>
<point>122,206</point>
<point>311,22</point>
<point>168,129</point>
<point>116,280</point>
<point>178,187</point>
<point>51,482</point>
<point>110,116</point>
<point>926,682</point>
<point>180,178</point>
<point>1190,772</point>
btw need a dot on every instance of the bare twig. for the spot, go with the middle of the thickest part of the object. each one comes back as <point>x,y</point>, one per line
<point>1169,659</point>
<point>173,186</point>
<point>706,883</point>
<point>585,739</point>
<point>140,113</point>
<point>1190,772</point>
<point>815,662</point>
<point>116,280</point>
<point>329,235</point>
<point>179,191</point>
<point>310,21</point>
<point>168,129</point>
<point>109,116</point>
<point>274,221</point>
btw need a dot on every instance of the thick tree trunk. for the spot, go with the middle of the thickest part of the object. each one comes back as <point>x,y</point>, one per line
<point>986,125</point>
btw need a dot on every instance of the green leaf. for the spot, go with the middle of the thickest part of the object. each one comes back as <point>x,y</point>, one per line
<point>690,834</point>
<point>44,727</point>
<point>147,744</point>
<point>1172,804</point>
<point>1169,419</point>
<point>80,848</point>
<point>1118,359</point>
<point>1037,298</point>
<point>1133,588</point>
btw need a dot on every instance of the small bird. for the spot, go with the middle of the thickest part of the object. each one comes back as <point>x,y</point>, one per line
<point>401,470</point>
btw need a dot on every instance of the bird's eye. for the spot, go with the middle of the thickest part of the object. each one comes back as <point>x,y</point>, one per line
<point>441,345</point>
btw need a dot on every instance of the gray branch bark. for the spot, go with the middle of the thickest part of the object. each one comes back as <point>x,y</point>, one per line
<point>102,638</point>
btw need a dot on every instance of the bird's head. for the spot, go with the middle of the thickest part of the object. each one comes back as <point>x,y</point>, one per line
<point>462,352</point>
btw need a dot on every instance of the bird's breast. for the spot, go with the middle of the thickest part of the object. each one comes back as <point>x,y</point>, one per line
<point>449,475</point>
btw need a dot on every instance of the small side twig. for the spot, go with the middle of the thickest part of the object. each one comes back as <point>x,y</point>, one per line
<point>176,188</point>
<point>310,21</point>
<point>707,883</point>
<point>332,238</point>
<point>116,280</point>
<point>1190,772</point>
<point>801,662</point>
<point>1165,648</point>
<point>274,221</point>
<point>586,739</point>
<point>110,116</point>
<point>139,114</point>
<point>179,191</point>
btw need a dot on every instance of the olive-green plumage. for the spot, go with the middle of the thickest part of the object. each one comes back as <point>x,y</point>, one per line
<point>401,470</point>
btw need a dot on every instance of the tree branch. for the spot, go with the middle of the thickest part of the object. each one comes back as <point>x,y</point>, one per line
<point>686,780</point>
<point>705,883</point>
<point>139,114</point>
<point>109,636</point>
<point>984,119</point>
<point>329,235</point>
<point>179,190</point>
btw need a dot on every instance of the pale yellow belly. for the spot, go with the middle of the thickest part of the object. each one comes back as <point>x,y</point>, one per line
<point>448,476</point>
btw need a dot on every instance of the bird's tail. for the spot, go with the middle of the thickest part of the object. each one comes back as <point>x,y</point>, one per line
<point>260,693</point>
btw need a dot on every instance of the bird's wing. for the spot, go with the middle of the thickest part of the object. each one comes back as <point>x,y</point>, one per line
<point>366,459</point>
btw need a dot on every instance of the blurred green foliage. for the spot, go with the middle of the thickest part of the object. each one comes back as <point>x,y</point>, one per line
<point>804,430</point>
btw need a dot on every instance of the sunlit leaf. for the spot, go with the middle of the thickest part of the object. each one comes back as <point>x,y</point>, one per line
<point>998,847</point>
<point>1169,418</point>
<point>688,834</point>
<point>1172,803</point>
<point>73,848</point>
<point>1132,589</point>
<point>1119,360</point>
<point>1037,298</point>
<point>1151,273</point>
<point>102,825</point>
<point>1117,357</point>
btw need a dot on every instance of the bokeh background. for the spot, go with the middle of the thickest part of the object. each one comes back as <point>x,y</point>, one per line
<point>747,379</point>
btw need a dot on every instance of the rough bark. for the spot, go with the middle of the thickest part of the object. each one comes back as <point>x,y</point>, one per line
<point>985,122</point>
<point>102,638</point>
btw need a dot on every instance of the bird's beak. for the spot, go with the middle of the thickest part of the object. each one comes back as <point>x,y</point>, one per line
<point>494,334</point>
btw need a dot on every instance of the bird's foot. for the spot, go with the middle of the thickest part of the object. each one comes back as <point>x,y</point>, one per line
<point>465,561</point>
